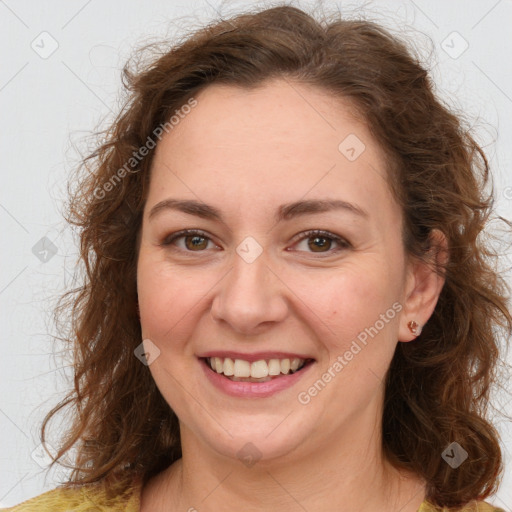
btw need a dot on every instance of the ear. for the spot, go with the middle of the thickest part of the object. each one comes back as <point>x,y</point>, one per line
<point>423,286</point>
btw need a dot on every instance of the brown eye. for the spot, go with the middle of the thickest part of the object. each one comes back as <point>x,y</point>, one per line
<point>194,241</point>
<point>319,241</point>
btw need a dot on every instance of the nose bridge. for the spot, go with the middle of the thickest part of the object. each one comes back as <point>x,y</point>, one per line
<point>250,294</point>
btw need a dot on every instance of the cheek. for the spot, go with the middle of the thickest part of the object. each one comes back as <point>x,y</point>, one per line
<point>349,301</point>
<point>164,297</point>
<point>362,334</point>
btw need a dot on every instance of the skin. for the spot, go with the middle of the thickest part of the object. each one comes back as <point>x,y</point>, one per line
<point>246,153</point>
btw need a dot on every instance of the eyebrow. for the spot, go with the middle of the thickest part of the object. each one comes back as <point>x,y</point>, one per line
<point>284,212</point>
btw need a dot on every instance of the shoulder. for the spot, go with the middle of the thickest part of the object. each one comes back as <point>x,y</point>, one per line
<point>84,498</point>
<point>473,506</point>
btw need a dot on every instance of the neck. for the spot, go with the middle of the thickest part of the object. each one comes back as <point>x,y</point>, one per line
<point>346,472</point>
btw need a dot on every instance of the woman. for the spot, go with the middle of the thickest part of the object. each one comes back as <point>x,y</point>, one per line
<point>288,302</point>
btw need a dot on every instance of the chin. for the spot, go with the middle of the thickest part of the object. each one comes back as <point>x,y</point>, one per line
<point>256,439</point>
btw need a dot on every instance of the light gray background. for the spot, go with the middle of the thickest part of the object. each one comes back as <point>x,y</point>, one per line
<point>51,101</point>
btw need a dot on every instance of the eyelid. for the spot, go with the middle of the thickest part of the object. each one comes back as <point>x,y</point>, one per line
<point>342,242</point>
<point>169,239</point>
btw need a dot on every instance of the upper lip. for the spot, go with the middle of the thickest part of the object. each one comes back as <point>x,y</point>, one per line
<point>254,356</point>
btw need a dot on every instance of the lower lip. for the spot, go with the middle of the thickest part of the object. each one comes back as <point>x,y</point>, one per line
<point>253,389</point>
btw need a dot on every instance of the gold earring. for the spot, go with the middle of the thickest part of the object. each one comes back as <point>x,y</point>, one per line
<point>414,327</point>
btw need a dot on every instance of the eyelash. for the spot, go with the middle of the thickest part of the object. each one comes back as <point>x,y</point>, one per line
<point>343,244</point>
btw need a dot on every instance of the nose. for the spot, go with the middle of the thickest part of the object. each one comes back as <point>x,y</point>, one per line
<point>251,297</point>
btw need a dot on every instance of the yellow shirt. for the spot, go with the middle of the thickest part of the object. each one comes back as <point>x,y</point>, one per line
<point>92,498</point>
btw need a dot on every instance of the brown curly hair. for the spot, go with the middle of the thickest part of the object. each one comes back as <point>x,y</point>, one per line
<point>437,390</point>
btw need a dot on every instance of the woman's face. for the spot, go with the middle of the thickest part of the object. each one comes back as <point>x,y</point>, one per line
<point>249,169</point>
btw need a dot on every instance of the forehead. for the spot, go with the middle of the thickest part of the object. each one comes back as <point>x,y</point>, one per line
<point>280,115</point>
<point>282,140</point>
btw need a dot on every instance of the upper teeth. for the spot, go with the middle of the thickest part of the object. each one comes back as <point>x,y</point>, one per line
<point>257,369</point>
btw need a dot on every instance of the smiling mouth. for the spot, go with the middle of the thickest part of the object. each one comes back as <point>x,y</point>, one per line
<point>239,370</point>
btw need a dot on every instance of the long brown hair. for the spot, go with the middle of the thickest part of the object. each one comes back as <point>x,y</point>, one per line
<point>437,387</point>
